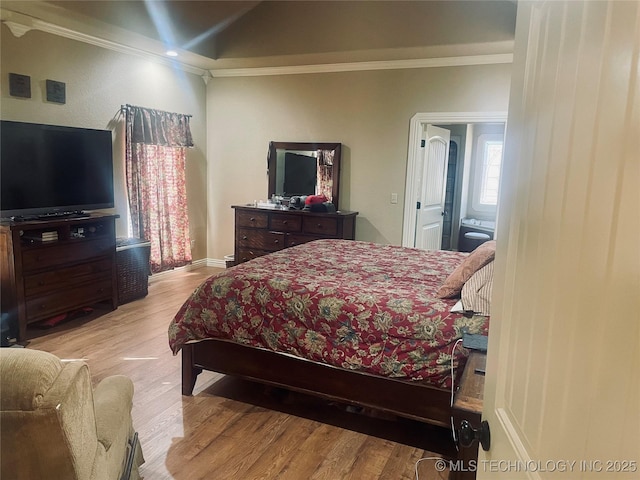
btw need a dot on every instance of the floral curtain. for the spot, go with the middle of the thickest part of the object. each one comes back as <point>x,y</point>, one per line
<point>324,173</point>
<point>156,145</point>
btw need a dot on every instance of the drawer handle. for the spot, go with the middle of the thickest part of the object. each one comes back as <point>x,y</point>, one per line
<point>252,219</point>
<point>276,241</point>
<point>42,306</point>
<point>244,237</point>
<point>285,222</point>
<point>40,283</point>
<point>319,225</point>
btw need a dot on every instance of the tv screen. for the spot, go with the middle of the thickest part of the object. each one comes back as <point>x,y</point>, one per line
<point>300,174</point>
<point>48,169</point>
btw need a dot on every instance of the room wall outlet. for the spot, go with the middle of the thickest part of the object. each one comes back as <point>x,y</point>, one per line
<point>394,198</point>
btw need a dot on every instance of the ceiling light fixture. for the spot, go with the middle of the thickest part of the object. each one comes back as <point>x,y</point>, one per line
<point>172,53</point>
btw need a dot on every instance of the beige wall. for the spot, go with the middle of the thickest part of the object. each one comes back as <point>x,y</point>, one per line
<point>369,112</point>
<point>98,81</point>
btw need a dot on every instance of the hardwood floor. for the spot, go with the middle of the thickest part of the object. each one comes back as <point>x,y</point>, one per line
<point>232,428</point>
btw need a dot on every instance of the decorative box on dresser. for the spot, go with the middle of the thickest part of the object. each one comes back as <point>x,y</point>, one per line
<point>259,231</point>
<point>54,266</point>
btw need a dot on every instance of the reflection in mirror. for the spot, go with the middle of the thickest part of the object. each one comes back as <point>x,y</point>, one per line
<point>304,169</point>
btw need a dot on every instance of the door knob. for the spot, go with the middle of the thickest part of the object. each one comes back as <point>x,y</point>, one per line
<point>468,434</point>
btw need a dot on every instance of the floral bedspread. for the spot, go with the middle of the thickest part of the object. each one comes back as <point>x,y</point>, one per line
<point>351,304</point>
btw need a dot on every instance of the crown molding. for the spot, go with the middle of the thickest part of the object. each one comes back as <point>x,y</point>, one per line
<point>19,24</point>
<point>458,61</point>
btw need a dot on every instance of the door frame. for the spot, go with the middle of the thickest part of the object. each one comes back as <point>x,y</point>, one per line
<point>414,157</point>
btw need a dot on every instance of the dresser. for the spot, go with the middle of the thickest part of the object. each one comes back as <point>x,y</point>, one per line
<point>259,231</point>
<point>54,266</point>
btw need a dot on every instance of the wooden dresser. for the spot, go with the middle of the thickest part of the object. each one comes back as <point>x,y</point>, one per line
<point>55,266</point>
<point>259,231</point>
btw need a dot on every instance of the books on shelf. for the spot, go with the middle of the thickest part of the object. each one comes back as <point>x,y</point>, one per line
<point>41,236</point>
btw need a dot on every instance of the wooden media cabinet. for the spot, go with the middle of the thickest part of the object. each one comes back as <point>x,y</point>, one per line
<point>55,266</point>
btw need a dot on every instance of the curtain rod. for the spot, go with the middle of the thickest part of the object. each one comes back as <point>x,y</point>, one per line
<point>126,106</point>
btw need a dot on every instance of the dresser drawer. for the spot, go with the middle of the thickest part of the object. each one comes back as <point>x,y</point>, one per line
<point>298,239</point>
<point>285,223</point>
<point>320,225</point>
<point>252,219</point>
<point>260,239</point>
<point>246,254</point>
<point>52,255</point>
<point>41,283</point>
<point>65,300</point>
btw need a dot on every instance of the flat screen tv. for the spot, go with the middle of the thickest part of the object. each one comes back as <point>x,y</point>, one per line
<point>49,169</point>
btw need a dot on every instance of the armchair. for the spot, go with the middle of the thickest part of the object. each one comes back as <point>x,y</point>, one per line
<point>54,425</point>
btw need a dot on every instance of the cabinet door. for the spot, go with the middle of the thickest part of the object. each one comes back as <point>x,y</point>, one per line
<point>52,280</point>
<point>252,219</point>
<point>260,239</point>
<point>52,255</point>
<point>285,223</point>
<point>67,299</point>
<point>327,226</point>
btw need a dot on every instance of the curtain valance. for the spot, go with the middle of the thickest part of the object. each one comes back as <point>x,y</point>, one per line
<point>155,127</point>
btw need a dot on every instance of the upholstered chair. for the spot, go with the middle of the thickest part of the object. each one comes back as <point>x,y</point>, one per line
<point>55,426</point>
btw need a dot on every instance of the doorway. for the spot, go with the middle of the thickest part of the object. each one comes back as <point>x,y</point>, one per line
<point>458,186</point>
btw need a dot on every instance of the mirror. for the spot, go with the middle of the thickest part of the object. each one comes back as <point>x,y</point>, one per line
<point>297,168</point>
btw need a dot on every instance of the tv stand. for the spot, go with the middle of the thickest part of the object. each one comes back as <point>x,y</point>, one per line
<point>56,265</point>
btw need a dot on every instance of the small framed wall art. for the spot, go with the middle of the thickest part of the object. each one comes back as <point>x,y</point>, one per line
<point>19,85</point>
<point>56,92</point>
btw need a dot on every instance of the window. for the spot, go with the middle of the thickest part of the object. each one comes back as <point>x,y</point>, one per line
<point>487,172</point>
<point>492,157</point>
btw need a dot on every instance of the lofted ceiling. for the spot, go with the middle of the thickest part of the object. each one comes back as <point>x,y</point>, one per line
<point>189,25</point>
<point>230,34</point>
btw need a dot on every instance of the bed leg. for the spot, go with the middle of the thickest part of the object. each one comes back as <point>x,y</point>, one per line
<point>189,371</point>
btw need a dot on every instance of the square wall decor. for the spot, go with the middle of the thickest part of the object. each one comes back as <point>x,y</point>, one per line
<point>19,85</point>
<point>56,92</point>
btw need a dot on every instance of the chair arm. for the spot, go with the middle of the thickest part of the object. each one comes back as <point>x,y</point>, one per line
<point>113,400</point>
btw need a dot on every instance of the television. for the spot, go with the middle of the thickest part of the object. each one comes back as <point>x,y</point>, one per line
<point>49,170</point>
<point>300,174</point>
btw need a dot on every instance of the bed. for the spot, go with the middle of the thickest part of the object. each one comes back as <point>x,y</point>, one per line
<point>350,321</point>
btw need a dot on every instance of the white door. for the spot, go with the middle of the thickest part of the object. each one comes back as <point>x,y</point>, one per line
<point>563,367</point>
<point>430,207</point>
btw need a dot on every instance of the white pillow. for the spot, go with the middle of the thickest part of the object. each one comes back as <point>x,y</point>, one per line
<point>476,292</point>
<point>457,308</point>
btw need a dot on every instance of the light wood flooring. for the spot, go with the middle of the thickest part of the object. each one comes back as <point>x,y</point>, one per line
<point>232,428</point>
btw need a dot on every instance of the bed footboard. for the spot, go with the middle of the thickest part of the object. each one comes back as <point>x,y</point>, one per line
<point>414,400</point>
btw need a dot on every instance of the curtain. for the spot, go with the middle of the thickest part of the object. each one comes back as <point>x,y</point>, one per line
<point>156,145</point>
<point>324,173</point>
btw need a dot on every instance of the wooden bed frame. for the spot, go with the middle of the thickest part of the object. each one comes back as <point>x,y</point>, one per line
<point>409,399</point>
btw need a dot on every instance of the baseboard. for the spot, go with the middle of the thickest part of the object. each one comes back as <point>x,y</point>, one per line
<point>203,262</point>
<point>216,262</point>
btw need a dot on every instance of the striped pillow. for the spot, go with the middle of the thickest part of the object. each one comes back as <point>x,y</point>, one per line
<point>476,292</point>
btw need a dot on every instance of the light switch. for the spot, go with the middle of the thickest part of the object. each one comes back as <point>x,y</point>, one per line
<point>394,198</point>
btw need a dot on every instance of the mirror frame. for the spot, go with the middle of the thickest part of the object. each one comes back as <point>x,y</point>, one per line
<point>302,146</point>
